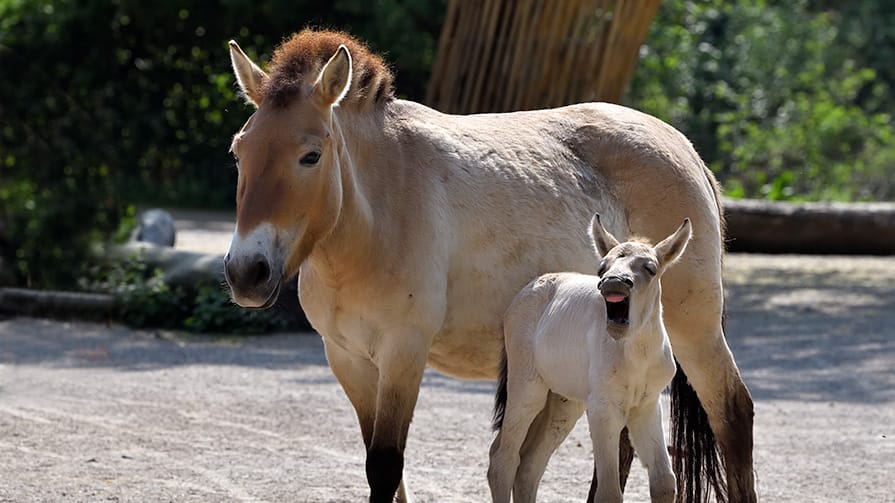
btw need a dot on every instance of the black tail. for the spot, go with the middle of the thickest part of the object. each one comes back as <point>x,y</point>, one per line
<point>500,396</point>
<point>697,461</point>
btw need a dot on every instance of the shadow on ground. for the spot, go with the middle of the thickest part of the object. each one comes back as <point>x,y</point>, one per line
<point>824,331</point>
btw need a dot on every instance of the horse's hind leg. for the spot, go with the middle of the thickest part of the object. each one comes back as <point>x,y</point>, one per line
<point>546,433</point>
<point>722,415</point>
<point>526,398</point>
<point>728,408</point>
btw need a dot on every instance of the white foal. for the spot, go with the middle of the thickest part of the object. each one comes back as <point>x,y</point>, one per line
<point>599,341</point>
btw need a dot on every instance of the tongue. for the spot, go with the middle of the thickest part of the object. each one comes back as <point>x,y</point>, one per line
<point>614,297</point>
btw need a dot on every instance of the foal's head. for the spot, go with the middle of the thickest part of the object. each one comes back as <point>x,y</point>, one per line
<point>289,193</point>
<point>630,273</point>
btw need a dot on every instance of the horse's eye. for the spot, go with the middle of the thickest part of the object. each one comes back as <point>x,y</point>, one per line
<point>651,268</point>
<point>310,159</point>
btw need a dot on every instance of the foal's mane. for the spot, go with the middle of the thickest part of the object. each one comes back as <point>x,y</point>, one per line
<point>297,62</point>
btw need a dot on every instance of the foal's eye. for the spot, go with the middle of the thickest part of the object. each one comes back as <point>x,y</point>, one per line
<point>651,268</point>
<point>310,159</point>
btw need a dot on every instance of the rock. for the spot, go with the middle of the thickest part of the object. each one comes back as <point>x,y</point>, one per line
<point>155,226</point>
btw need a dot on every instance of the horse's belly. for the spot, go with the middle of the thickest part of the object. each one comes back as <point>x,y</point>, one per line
<point>471,354</point>
<point>483,281</point>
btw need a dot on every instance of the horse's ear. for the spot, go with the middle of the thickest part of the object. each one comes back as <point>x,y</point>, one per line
<point>335,78</point>
<point>671,248</point>
<point>248,74</point>
<point>602,240</point>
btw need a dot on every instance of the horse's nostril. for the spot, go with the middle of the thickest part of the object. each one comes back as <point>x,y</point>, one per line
<point>259,272</point>
<point>625,280</point>
<point>227,258</point>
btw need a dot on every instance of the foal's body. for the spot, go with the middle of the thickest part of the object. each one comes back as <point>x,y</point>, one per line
<point>405,226</point>
<point>560,339</point>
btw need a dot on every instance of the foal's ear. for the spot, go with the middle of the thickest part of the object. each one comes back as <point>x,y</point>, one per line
<point>671,248</point>
<point>335,78</point>
<point>248,74</point>
<point>602,240</point>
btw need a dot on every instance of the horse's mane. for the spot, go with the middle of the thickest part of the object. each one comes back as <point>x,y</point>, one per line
<point>297,62</point>
<point>639,239</point>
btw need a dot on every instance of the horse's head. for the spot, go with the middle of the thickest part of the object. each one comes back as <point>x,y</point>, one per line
<point>630,272</point>
<point>290,157</point>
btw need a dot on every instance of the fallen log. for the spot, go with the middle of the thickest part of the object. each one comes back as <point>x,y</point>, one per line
<point>56,304</point>
<point>810,228</point>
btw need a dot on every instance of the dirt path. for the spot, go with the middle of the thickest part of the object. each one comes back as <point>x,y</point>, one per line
<point>102,413</point>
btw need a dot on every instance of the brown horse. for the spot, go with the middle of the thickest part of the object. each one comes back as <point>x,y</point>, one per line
<point>412,230</point>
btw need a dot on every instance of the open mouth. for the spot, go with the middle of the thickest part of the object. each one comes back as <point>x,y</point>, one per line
<point>617,307</point>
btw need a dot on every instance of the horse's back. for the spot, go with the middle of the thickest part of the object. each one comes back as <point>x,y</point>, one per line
<point>642,174</point>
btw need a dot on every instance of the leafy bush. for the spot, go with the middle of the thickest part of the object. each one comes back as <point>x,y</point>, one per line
<point>784,100</point>
<point>214,312</point>
<point>143,299</point>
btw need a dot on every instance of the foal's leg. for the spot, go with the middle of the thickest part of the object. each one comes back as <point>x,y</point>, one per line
<point>605,421</point>
<point>546,433</point>
<point>526,398</point>
<point>625,458</point>
<point>645,424</point>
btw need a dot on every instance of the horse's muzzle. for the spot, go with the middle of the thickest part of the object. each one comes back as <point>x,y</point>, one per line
<point>252,281</point>
<point>620,283</point>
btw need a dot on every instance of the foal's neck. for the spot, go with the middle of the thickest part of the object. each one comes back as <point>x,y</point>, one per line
<point>651,330</point>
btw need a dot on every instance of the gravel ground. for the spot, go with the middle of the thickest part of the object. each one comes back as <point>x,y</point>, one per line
<point>92,412</point>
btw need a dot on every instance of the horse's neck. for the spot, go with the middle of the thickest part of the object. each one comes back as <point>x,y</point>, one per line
<point>352,243</point>
<point>650,331</point>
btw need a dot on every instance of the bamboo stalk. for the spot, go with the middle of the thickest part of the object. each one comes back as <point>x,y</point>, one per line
<point>503,55</point>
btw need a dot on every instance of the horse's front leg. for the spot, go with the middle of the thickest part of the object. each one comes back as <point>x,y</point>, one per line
<point>401,359</point>
<point>625,458</point>
<point>605,421</point>
<point>359,378</point>
<point>645,424</point>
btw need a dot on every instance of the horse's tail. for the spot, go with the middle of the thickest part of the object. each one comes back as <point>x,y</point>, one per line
<point>697,461</point>
<point>500,396</point>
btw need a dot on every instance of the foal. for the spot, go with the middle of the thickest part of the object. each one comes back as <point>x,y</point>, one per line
<point>599,341</point>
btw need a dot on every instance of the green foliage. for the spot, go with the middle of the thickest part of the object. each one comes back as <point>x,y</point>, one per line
<point>784,100</point>
<point>214,312</point>
<point>143,299</point>
<point>107,104</point>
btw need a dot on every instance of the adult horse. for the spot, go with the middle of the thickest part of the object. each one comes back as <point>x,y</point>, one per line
<point>412,230</point>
